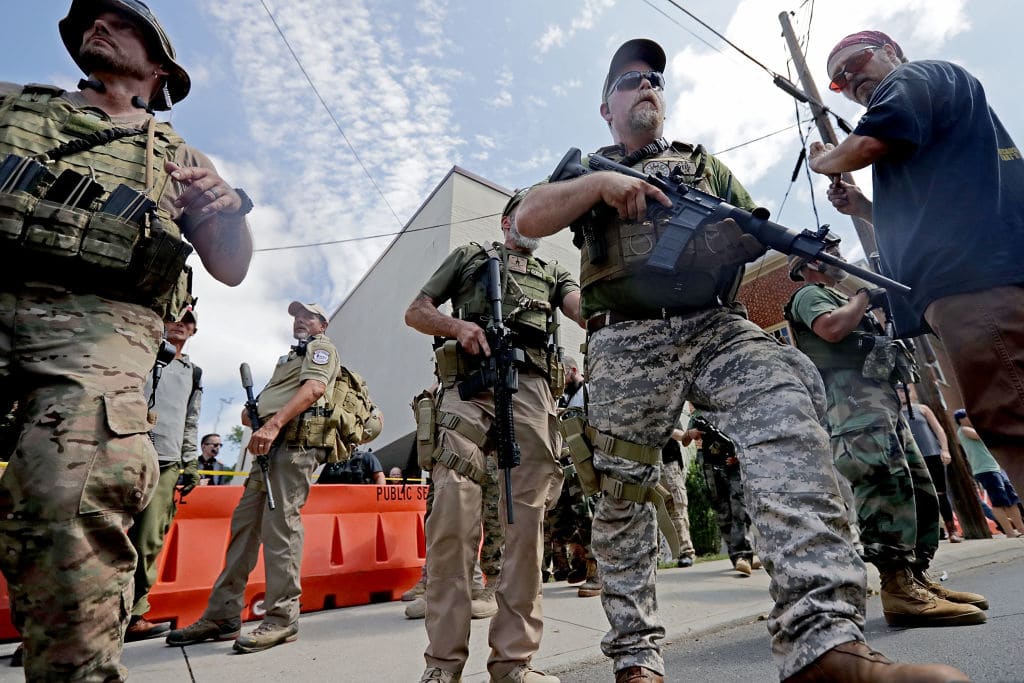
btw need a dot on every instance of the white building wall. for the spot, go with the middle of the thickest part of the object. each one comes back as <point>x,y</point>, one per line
<point>368,327</point>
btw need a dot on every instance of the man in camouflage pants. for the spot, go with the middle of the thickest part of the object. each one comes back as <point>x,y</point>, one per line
<point>79,334</point>
<point>872,446</point>
<point>659,338</point>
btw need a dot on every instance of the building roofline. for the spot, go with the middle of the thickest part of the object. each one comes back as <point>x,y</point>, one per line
<point>452,171</point>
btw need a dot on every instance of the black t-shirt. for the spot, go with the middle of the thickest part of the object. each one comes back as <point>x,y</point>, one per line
<point>949,195</point>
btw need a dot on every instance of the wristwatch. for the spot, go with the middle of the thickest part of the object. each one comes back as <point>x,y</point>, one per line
<point>247,204</point>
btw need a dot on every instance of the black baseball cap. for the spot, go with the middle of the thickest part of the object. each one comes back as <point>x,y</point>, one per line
<point>641,49</point>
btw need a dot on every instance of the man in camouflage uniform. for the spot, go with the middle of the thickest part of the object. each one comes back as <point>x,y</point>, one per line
<point>83,293</point>
<point>897,509</point>
<point>293,410</point>
<point>659,338</point>
<point>531,289</point>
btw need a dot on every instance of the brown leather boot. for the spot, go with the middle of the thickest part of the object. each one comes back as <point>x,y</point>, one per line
<point>905,602</point>
<point>855,662</point>
<point>963,597</point>
<point>591,588</point>
<point>954,537</point>
<point>637,674</point>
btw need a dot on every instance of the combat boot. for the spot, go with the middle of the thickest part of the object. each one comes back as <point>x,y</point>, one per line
<point>638,674</point>
<point>743,566</point>
<point>905,602</point>
<point>266,636</point>
<point>437,675</point>
<point>962,597</point>
<point>484,603</point>
<point>524,674</point>
<point>416,591</point>
<point>205,629</point>
<point>590,588</point>
<point>417,609</point>
<point>855,662</point>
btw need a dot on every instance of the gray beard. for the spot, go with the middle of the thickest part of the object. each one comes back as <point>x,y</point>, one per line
<point>528,244</point>
<point>644,120</point>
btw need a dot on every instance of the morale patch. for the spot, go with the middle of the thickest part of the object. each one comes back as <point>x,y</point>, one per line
<point>321,357</point>
<point>517,264</point>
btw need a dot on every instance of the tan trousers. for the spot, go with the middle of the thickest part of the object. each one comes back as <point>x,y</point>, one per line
<point>673,478</point>
<point>280,531</point>
<point>453,532</point>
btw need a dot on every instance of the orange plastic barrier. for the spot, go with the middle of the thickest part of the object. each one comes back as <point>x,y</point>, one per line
<point>363,544</point>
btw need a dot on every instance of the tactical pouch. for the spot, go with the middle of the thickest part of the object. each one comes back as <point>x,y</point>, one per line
<point>55,229</point>
<point>448,367</point>
<point>426,432</point>
<point>159,259</point>
<point>109,241</point>
<point>14,208</point>
<point>573,426</point>
<point>556,375</point>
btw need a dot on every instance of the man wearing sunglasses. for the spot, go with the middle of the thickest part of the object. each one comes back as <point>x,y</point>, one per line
<point>208,462</point>
<point>658,339</point>
<point>949,216</point>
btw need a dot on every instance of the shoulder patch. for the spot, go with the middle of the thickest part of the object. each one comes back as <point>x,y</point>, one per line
<point>321,357</point>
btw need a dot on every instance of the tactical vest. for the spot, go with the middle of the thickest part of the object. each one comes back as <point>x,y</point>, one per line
<point>846,354</point>
<point>84,248</point>
<point>711,265</point>
<point>527,283</point>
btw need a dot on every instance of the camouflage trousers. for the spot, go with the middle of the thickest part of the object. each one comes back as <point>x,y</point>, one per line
<point>725,487</point>
<point>82,466</point>
<point>673,478</point>
<point>873,447</point>
<point>280,532</point>
<point>454,526</point>
<point>566,524</point>
<point>769,399</point>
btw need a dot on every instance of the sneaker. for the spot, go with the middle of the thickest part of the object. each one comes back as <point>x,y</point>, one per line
<point>206,629</point>
<point>743,566</point>
<point>684,561</point>
<point>140,628</point>
<point>266,636</point>
<point>437,675</point>
<point>484,604</point>
<point>417,609</point>
<point>416,591</point>
<point>524,674</point>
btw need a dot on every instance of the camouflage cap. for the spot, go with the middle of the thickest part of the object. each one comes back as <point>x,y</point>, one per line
<point>296,306</point>
<point>84,12</point>
<point>641,49</point>
<point>513,202</point>
<point>187,312</point>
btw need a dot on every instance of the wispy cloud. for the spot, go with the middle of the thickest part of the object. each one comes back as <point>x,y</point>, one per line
<point>556,36</point>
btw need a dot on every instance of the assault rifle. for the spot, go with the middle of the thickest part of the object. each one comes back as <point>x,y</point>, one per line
<point>717,446</point>
<point>691,209</point>
<point>500,372</point>
<point>255,423</point>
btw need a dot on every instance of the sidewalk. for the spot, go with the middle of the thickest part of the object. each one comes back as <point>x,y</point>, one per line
<point>377,642</point>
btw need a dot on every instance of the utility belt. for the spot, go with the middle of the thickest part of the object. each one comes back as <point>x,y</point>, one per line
<point>120,247</point>
<point>310,429</point>
<point>605,318</point>
<point>455,365</point>
<point>581,440</point>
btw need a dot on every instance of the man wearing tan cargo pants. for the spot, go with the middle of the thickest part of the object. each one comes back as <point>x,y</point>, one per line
<point>531,289</point>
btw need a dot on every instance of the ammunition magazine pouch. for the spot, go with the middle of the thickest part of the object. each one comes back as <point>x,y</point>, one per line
<point>451,363</point>
<point>556,373</point>
<point>426,432</point>
<point>460,464</point>
<point>311,430</point>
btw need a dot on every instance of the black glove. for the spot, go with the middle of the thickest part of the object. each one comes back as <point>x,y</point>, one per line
<point>875,295</point>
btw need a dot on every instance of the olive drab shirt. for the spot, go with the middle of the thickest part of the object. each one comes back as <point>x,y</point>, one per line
<point>319,362</point>
<point>624,283</point>
<point>809,303</point>
<point>461,275</point>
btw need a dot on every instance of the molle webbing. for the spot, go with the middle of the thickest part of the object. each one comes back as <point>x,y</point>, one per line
<point>457,424</point>
<point>460,464</point>
<point>620,448</point>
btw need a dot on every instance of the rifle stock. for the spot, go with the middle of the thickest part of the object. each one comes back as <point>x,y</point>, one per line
<point>255,423</point>
<point>691,209</point>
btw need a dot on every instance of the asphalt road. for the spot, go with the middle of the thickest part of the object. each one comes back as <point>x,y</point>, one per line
<point>990,653</point>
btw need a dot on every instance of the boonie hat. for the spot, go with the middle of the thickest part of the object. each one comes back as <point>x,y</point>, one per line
<point>84,12</point>
<point>641,49</point>
<point>296,306</point>
<point>187,311</point>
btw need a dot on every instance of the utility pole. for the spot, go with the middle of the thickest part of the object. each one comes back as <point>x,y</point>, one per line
<point>961,484</point>
<point>865,232</point>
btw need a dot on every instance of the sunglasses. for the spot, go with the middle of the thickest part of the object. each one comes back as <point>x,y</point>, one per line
<point>212,445</point>
<point>856,62</point>
<point>631,80</point>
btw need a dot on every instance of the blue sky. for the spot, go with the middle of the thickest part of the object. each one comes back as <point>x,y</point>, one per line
<point>501,89</point>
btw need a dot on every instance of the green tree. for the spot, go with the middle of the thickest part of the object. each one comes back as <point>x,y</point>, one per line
<point>234,438</point>
<point>703,523</point>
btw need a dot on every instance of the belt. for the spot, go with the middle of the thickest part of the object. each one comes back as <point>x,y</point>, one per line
<point>596,322</point>
<point>315,411</point>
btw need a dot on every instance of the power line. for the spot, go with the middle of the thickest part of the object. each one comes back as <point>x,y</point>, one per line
<point>676,22</point>
<point>330,113</point>
<point>378,236</point>
<point>763,137</point>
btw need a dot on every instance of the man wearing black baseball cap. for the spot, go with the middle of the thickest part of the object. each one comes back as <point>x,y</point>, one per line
<point>658,339</point>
